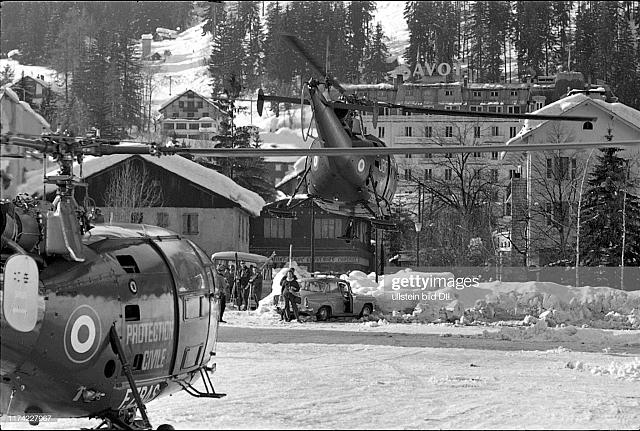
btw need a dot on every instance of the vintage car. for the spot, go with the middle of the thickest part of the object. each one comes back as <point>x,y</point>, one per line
<point>327,297</point>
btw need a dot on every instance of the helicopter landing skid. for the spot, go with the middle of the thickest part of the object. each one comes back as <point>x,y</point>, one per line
<point>208,386</point>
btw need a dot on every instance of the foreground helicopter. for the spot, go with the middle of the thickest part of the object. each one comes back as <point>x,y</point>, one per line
<point>350,182</point>
<point>98,320</point>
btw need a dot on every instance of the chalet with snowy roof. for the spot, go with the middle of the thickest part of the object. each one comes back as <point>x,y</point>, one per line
<point>32,90</point>
<point>190,116</point>
<point>195,202</point>
<point>545,186</point>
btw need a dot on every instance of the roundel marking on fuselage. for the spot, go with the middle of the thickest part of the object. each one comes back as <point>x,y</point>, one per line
<point>82,334</point>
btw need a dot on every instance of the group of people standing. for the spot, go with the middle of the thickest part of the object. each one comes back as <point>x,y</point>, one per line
<point>241,287</point>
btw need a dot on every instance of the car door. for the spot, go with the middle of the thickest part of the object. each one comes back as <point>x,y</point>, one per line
<point>334,298</point>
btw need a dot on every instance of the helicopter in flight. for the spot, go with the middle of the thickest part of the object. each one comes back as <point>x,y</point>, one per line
<point>98,320</point>
<point>351,183</point>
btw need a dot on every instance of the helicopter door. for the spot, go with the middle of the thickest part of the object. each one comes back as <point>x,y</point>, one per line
<point>192,320</point>
<point>147,296</point>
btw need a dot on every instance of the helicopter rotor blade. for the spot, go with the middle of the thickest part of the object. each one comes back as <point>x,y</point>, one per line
<point>296,45</point>
<point>371,151</point>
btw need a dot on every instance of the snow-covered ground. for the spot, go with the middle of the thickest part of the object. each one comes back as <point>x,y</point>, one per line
<point>295,376</point>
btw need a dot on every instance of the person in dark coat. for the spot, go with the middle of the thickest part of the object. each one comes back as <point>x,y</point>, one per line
<point>290,289</point>
<point>222,286</point>
<point>245,275</point>
<point>255,283</point>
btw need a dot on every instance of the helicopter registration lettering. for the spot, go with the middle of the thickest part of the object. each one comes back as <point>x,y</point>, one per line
<point>149,332</point>
<point>147,393</point>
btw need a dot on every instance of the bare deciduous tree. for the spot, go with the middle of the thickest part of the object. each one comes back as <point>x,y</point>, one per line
<point>130,189</point>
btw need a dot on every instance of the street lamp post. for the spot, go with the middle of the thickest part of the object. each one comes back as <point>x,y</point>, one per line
<point>418,225</point>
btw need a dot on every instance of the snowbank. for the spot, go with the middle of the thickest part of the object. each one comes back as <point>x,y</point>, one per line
<point>266,304</point>
<point>434,297</point>
<point>629,370</point>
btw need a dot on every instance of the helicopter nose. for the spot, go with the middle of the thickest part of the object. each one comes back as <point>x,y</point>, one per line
<point>22,308</point>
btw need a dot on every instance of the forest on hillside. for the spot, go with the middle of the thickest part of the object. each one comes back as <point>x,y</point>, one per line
<point>598,38</point>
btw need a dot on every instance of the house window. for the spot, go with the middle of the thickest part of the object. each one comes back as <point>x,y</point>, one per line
<point>477,94</point>
<point>514,93</point>
<point>494,155</point>
<point>512,131</point>
<point>563,168</point>
<point>407,156</point>
<point>448,92</point>
<point>493,175</point>
<point>407,174</point>
<point>408,131</point>
<point>428,132</point>
<point>181,126</point>
<point>380,132</point>
<point>476,132</point>
<point>205,125</point>
<point>448,174</point>
<point>448,155</point>
<point>200,105</point>
<point>167,126</point>
<point>587,126</point>
<point>495,131</point>
<point>448,131</point>
<point>428,174</point>
<point>475,108</point>
<point>181,104</point>
<point>513,109</point>
<point>477,155</point>
<point>162,219</point>
<point>494,94</point>
<point>190,224</point>
<point>190,105</point>
<point>406,113</point>
<point>277,228</point>
<point>137,217</point>
<point>327,228</point>
<point>194,126</point>
<point>205,114</point>
<point>549,168</point>
<point>174,115</point>
<point>428,155</point>
<point>191,95</point>
<point>574,168</point>
<point>386,111</point>
<point>548,208</point>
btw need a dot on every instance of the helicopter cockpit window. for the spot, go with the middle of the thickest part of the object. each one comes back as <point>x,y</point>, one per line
<point>190,273</point>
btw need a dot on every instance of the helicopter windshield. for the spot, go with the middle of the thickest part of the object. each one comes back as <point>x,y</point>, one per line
<point>185,262</point>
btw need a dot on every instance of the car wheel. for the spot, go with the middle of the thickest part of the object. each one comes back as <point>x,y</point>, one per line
<point>324,313</point>
<point>366,311</point>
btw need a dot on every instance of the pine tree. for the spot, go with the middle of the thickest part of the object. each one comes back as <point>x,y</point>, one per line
<point>610,189</point>
<point>375,64</point>
<point>359,15</point>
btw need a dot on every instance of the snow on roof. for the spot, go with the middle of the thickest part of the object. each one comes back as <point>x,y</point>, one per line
<point>192,171</point>
<point>381,86</point>
<point>13,97</point>
<point>177,96</point>
<point>298,168</point>
<point>569,103</point>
